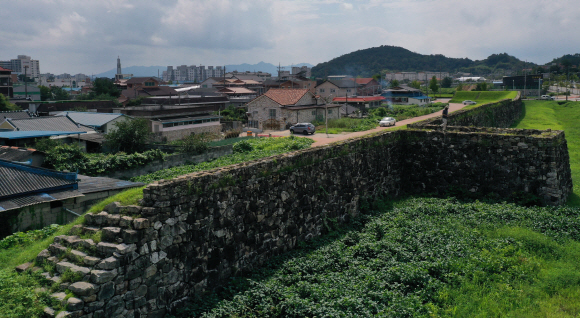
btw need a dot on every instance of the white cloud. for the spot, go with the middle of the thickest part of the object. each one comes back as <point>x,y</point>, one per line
<point>86,36</point>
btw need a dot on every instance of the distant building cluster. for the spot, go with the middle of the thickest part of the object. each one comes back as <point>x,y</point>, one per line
<point>415,76</point>
<point>192,73</point>
<point>23,64</point>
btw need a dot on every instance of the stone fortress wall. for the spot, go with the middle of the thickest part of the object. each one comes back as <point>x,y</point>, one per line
<point>194,232</point>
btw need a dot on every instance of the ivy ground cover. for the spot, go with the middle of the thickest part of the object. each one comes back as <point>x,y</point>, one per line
<point>558,115</point>
<point>420,257</point>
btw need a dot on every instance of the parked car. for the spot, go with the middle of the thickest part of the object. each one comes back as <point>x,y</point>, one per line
<point>387,121</point>
<point>304,128</point>
<point>547,97</point>
<point>469,102</point>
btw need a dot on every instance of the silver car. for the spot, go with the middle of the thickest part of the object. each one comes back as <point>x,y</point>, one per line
<point>387,121</point>
<point>469,102</point>
<point>304,128</point>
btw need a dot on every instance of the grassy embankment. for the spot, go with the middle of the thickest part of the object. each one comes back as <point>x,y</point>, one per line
<point>482,97</point>
<point>558,116</point>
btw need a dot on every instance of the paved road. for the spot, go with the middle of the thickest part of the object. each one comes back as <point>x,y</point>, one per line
<point>320,138</point>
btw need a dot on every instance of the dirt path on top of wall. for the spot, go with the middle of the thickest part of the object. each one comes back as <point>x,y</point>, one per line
<point>320,138</point>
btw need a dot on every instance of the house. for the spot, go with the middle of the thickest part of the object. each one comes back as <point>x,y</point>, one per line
<point>6,88</point>
<point>300,83</point>
<point>367,86</point>
<point>338,88</point>
<point>101,122</point>
<point>15,114</point>
<point>404,95</point>
<point>29,156</point>
<point>279,108</point>
<point>174,118</point>
<point>361,103</point>
<point>52,108</point>
<point>144,87</point>
<point>238,96</point>
<point>33,197</point>
<point>21,132</point>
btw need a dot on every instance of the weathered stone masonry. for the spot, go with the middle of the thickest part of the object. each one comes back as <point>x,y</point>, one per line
<point>196,231</point>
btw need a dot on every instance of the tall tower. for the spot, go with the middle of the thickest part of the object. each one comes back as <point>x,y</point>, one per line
<point>119,65</point>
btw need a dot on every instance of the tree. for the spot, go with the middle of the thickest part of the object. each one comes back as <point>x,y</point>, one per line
<point>446,82</point>
<point>5,105</point>
<point>433,84</point>
<point>459,87</point>
<point>481,87</point>
<point>105,86</point>
<point>415,84</point>
<point>57,93</point>
<point>44,92</point>
<point>27,79</point>
<point>130,135</point>
<point>394,83</point>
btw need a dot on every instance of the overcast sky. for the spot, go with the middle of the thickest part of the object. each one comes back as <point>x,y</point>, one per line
<point>86,36</point>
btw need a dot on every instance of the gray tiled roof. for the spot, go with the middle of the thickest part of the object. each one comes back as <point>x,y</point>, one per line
<point>48,123</point>
<point>15,154</point>
<point>18,114</point>
<point>32,199</point>
<point>91,119</point>
<point>19,179</point>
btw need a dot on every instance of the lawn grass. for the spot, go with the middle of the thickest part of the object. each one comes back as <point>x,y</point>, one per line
<point>482,97</point>
<point>550,114</point>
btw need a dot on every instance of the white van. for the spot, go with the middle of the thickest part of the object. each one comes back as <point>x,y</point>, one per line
<point>547,97</point>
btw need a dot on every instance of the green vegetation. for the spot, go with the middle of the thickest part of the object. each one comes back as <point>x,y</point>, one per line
<point>70,157</point>
<point>558,116</point>
<point>385,58</point>
<point>233,113</point>
<point>5,104</point>
<point>26,238</point>
<point>262,147</point>
<point>229,141</point>
<point>18,297</point>
<point>399,112</point>
<point>420,257</point>
<point>482,97</point>
<point>130,136</point>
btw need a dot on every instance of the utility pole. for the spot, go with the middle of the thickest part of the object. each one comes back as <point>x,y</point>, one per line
<point>25,83</point>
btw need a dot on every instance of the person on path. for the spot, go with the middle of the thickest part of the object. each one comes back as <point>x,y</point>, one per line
<point>444,117</point>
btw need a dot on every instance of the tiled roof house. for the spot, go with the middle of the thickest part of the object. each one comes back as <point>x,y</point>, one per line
<point>280,108</point>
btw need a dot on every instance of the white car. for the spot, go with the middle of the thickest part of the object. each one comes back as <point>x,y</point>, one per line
<point>387,121</point>
<point>469,102</point>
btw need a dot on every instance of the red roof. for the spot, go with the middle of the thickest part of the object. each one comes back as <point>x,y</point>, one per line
<point>4,69</point>
<point>358,99</point>
<point>286,96</point>
<point>362,81</point>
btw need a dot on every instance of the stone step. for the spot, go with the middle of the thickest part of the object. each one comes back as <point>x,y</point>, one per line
<point>56,249</point>
<point>62,267</point>
<point>90,230</point>
<point>108,249</point>
<point>111,234</point>
<point>65,240</point>
<point>51,278</point>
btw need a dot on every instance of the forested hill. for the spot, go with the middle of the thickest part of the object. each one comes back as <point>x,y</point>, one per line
<point>371,61</point>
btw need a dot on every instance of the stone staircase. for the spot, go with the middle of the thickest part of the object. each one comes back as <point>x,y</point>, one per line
<point>97,269</point>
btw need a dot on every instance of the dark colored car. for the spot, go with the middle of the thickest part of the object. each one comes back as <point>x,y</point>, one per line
<point>304,128</point>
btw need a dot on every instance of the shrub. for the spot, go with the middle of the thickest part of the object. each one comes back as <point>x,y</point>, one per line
<point>242,146</point>
<point>46,144</point>
<point>196,144</point>
<point>234,133</point>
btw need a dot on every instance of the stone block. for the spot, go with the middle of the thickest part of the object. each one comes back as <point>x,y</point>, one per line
<point>126,222</point>
<point>64,266</point>
<point>130,236</point>
<point>109,263</point>
<point>91,260</point>
<point>106,249</point>
<point>111,234</point>
<point>23,267</point>
<point>113,208</point>
<point>140,223</point>
<point>102,276</point>
<point>94,306</point>
<point>74,304</point>
<point>107,291</point>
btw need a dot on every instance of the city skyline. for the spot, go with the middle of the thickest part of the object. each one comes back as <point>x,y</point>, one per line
<point>72,37</point>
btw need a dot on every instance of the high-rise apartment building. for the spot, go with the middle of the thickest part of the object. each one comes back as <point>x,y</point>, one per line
<point>23,64</point>
<point>192,73</point>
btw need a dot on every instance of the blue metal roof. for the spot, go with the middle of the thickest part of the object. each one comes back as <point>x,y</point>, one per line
<point>420,97</point>
<point>35,134</point>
